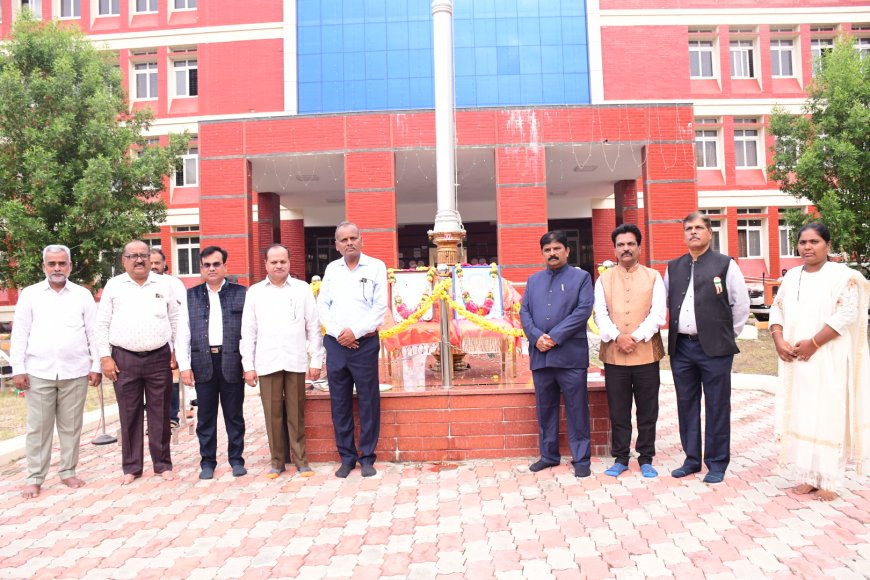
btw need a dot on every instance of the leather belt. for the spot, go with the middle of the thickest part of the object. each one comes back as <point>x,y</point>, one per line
<point>690,336</point>
<point>215,349</point>
<point>369,335</point>
<point>142,353</point>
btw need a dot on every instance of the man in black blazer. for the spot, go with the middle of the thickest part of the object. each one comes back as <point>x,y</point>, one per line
<point>708,304</point>
<point>210,358</point>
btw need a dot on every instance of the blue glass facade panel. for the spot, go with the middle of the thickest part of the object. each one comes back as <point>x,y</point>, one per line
<point>369,55</point>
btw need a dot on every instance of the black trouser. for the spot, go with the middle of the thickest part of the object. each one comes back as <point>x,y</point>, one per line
<point>346,367</point>
<point>231,399</point>
<point>696,372</point>
<point>639,383</point>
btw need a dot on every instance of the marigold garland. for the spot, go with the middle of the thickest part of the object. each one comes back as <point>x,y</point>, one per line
<point>437,293</point>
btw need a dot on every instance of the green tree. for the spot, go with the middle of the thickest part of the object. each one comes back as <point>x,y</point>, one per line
<point>74,165</point>
<point>823,155</point>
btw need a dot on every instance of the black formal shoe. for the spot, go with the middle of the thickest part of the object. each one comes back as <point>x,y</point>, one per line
<point>714,477</point>
<point>582,471</point>
<point>239,470</point>
<point>541,464</point>
<point>207,472</point>
<point>684,470</point>
<point>368,470</point>
<point>344,470</point>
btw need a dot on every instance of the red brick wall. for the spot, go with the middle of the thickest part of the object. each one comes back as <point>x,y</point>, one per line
<point>293,236</point>
<point>240,77</point>
<point>370,196</point>
<point>454,426</point>
<point>645,62</point>
<point>603,222</point>
<point>517,136</point>
<point>225,213</point>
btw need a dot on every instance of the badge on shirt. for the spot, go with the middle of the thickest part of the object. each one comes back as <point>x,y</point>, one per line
<point>158,296</point>
<point>717,283</point>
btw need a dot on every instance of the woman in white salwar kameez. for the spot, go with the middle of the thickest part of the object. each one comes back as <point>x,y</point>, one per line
<point>819,324</point>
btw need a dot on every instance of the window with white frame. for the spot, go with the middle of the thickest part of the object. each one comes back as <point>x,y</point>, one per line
<point>186,252</point>
<point>742,59</point>
<point>70,8</point>
<point>749,238</point>
<point>781,52</point>
<point>746,143</point>
<point>35,7</point>
<point>716,242</point>
<point>108,7</point>
<point>716,229</point>
<point>819,46</point>
<point>146,6</point>
<point>701,58</point>
<point>706,144</point>
<point>863,46</point>
<point>145,76</point>
<point>186,78</point>
<point>184,4</point>
<point>786,247</point>
<point>188,175</point>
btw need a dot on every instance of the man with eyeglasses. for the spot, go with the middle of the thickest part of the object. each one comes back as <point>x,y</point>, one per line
<point>54,359</point>
<point>136,322</point>
<point>158,266</point>
<point>352,303</point>
<point>208,355</point>
<point>281,340</point>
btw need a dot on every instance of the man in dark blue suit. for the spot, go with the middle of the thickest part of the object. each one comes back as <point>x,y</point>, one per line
<point>210,357</point>
<point>555,309</point>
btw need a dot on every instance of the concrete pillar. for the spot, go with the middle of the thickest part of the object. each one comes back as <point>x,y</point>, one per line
<point>226,211</point>
<point>268,231</point>
<point>370,202</point>
<point>293,236</point>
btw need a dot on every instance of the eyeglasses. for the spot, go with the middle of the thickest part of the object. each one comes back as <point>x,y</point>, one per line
<point>57,264</point>
<point>210,265</point>
<point>137,256</point>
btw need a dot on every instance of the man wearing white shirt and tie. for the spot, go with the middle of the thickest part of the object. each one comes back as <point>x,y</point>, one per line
<point>54,359</point>
<point>136,322</point>
<point>281,340</point>
<point>352,303</point>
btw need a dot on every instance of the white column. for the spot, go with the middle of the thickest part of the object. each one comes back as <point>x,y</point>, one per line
<point>446,217</point>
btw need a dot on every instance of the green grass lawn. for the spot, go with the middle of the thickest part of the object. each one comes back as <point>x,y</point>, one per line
<point>13,410</point>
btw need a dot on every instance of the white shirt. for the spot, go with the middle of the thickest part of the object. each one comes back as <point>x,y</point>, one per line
<point>215,316</point>
<point>180,292</point>
<point>280,328</point>
<point>136,318</point>
<point>53,332</point>
<point>355,299</point>
<point>215,327</point>
<point>738,298</point>
<point>648,327</point>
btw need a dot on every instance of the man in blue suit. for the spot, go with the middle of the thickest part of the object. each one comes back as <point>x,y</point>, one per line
<point>555,309</point>
<point>210,357</point>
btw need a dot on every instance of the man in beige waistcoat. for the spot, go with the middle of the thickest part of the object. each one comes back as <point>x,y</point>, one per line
<point>630,307</point>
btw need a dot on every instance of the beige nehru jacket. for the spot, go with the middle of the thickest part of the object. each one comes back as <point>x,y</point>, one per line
<point>628,295</point>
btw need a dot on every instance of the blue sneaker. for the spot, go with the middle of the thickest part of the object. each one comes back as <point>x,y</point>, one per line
<point>616,469</point>
<point>647,470</point>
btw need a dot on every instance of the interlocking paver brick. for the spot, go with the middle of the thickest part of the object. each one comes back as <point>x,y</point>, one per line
<point>483,519</point>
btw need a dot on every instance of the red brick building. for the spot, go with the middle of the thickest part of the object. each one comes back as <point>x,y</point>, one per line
<point>306,113</point>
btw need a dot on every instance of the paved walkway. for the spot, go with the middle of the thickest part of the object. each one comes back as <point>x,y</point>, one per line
<point>477,519</point>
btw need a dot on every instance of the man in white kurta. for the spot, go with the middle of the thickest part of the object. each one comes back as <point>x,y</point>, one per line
<point>54,358</point>
<point>281,341</point>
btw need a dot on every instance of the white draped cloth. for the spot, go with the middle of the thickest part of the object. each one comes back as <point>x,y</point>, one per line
<point>823,404</point>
